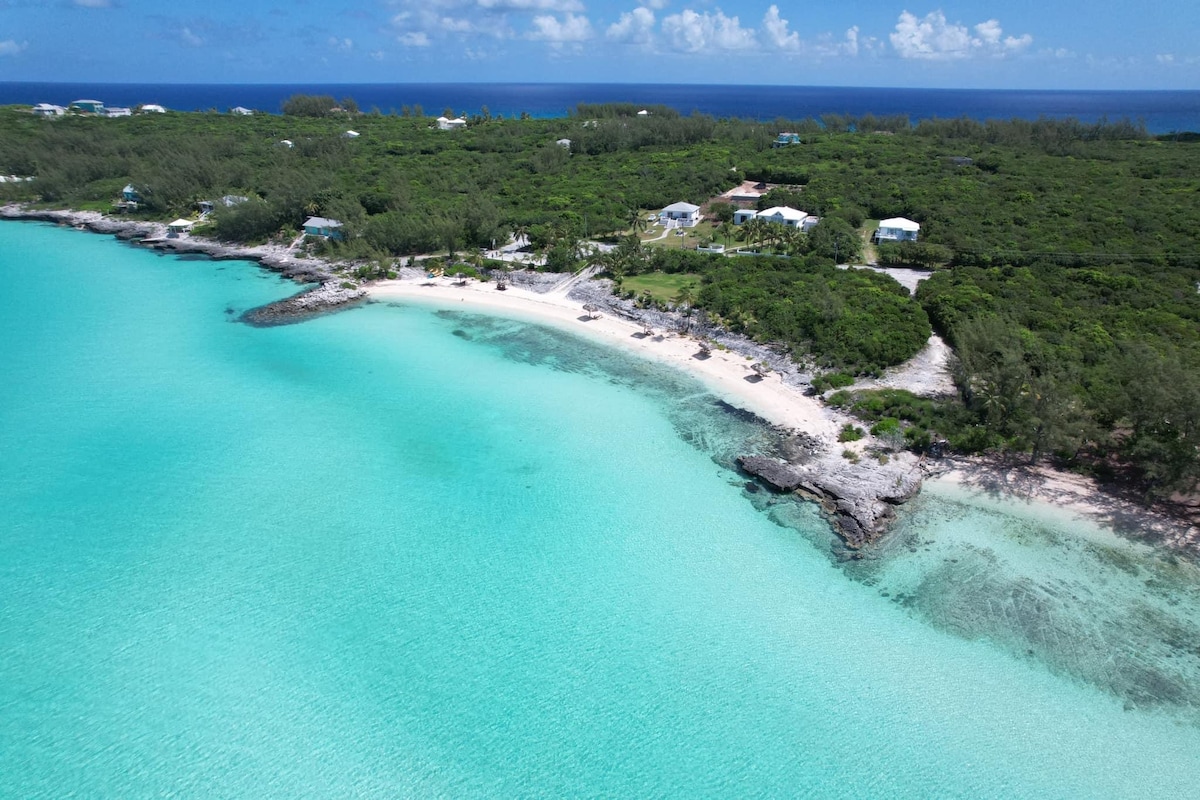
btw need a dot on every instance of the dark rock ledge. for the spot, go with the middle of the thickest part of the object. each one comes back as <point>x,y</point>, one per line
<point>860,498</point>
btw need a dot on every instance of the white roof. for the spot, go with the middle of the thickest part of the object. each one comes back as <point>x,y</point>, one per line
<point>321,222</point>
<point>682,208</point>
<point>900,223</point>
<point>181,223</point>
<point>242,110</point>
<point>154,107</point>
<point>643,113</point>
<point>89,102</point>
<point>784,212</point>
<point>443,119</point>
<point>745,212</point>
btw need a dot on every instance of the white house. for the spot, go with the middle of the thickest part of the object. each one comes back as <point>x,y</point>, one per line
<point>319,226</point>
<point>48,110</point>
<point>240,111</point>
<point>683,214</point>
<point>445,124</point>
<point>897,229</point>
<point>643,113</point>
<point>350,135</point>
<point>564,144</point>
<point>744,215</point>
<point>152,108</point>
<point>783,215</point>
<point>118,111</point>
<point>288,143</point>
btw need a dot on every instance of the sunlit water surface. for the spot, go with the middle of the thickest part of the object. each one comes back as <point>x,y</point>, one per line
<point>408,552</point>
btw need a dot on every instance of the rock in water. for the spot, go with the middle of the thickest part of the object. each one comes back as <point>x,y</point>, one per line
<point>860,497</point>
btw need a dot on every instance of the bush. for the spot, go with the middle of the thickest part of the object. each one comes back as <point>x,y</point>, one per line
<point>850,433</point>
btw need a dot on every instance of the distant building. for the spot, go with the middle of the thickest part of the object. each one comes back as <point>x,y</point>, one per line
<point>87,106</point>
<point>319,226</point>
<point>683,214</point>
<point>643,113</point>
<point>786,138</point>
<point>151,108</point>
<point>445,124</point>
<point>564,144</point>
<point>350,135</point>
<point>897,229</point>
<point>47,110</point>
<point>743,215</point>
<point>130,195</point>
<point>288,143</point>
<point>118,111</point>
<point>241,111</point>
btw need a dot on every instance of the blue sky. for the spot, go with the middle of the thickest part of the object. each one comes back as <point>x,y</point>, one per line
<point>1034,44</point>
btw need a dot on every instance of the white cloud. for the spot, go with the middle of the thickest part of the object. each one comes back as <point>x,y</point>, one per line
<point>933,38</point>
<point>10,47</point>
<point>690,32</point>
<point>414,39</point>
<point>94,3</point>
<point>826,45</point>
<point>635,27</point>
<point>341,45</point>
<point>555,6</point>
<point>657,5</point>
<point>1165,58</point>
<point>571,28</point>
<point>377,55</point>
<point>776,31</point>
<point>189,38</point>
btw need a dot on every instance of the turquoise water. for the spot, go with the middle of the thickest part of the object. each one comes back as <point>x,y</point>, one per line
<point>408,552</point>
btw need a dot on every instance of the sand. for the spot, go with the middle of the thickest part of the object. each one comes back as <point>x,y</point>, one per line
<point>726,374</point>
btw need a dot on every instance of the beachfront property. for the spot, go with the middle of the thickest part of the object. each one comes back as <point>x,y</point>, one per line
<point>786,138</point>
<point>682,214</point>
<point>319,226</point>
<point>151,108</point>
<point>118,111</point>
<point>130,195</point>
<point>48,110</point>
<point>179,227</point>
<point>241,111</point>
<point>87,107</point>
<point>897,229</point>
<point>446,124</point>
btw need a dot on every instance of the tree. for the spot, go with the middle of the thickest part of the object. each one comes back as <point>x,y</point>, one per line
<point>309,105</point>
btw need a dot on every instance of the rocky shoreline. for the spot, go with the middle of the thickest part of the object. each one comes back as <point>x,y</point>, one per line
<point>330,295</point>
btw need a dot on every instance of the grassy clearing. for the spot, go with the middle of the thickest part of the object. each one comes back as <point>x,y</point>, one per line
<point>661,286</point>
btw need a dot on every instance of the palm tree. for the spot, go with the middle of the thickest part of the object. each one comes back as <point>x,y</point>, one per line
<point>685,297</point>
<point>726,230</point>
<point>637,222</point>
<point>521,232</point>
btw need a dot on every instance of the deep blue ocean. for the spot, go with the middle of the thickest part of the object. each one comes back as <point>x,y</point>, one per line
<point>1160,111</point>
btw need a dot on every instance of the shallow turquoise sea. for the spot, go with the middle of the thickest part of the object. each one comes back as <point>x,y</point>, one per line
<point>401,551</point>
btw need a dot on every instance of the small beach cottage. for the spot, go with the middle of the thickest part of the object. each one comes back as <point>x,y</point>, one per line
<point>683,214</point>
<point>319,226</point>
<point>179,227</point>
<point>446,124</point>
<point>897,229</point>
<point>151,108</point>
<point>241,111</point>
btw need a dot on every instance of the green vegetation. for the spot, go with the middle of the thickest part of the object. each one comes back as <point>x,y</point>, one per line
<point>1065,255</point>
<point>660,287</point>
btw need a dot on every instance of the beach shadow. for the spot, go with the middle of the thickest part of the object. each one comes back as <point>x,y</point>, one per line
<point>701,356</point>
<point>753,377</point>
<point>585,318</point>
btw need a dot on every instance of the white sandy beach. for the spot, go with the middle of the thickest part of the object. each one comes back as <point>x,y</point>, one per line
<point>726,374</point>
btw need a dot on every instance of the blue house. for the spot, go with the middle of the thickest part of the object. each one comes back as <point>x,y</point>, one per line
<point>88,106</point>
<point>319,226</point>
<point>130,195</point>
